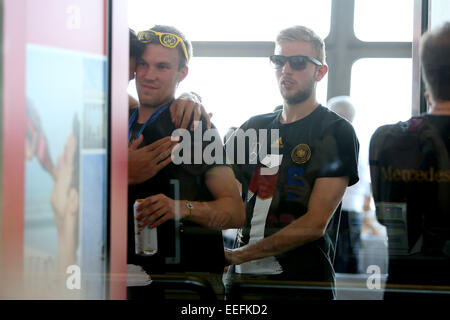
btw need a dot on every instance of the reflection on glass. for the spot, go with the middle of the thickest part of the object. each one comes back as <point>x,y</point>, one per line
<point>65,173</point>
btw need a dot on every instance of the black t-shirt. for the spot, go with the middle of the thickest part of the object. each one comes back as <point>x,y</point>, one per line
<point>188,182</point>
<point>409,163</point>
<point>319,145</point>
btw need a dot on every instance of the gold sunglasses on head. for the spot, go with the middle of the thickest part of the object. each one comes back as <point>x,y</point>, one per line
<point>166,39</point>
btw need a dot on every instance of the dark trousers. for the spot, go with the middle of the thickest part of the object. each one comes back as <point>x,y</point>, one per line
<point>349,243</point>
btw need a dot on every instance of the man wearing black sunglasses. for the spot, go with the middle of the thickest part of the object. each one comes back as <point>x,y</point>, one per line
<point>292,212</point>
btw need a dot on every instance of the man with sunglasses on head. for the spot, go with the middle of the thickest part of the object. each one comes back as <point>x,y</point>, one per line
<point>145,162</point>
<point>292,206</point>
<point>187,105</point>
<point>188,203</point>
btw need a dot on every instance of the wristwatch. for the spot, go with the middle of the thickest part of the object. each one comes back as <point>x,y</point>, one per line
<point>190,206</point>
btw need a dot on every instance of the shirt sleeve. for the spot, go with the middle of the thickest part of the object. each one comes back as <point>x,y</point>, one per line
<point>206,149</point>
<point>338,151</point>
<point>231,155</point>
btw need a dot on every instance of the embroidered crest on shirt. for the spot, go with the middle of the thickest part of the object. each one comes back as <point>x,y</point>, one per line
<point>301,153</point>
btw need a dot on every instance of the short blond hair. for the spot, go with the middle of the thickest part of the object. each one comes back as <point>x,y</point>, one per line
<point>301,33</point>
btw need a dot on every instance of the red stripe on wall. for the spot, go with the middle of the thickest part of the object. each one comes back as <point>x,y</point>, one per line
<point>13,136</point>
<point>73,25</point>
<point>105,27</point>
<point>119,150</point>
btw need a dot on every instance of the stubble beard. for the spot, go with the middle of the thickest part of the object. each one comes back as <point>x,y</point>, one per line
<point>299,96</point>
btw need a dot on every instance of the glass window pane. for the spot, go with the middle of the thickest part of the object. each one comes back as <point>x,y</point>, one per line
<point>231,20</point>
<point>66,173</point>
<point>381,91</point>
<point>384,20</point>
<point>439,12</point>
<point>235,89</point>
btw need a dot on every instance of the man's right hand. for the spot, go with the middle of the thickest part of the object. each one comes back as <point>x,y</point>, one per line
<point>186,108</point>
<point>144,163</point>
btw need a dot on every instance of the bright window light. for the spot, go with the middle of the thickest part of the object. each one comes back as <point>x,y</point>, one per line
<point>231,20</point>
<point>381,91</point>
<point>384,20</point>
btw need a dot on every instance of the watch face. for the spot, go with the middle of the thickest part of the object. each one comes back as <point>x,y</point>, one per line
<point>189,205</point>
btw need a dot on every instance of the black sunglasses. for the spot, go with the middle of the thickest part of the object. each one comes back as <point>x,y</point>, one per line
<point>296,62</point>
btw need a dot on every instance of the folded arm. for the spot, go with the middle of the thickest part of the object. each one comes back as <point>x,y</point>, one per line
<point>325,197</point>
<point>227,210</point>
<point>224,212</point>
